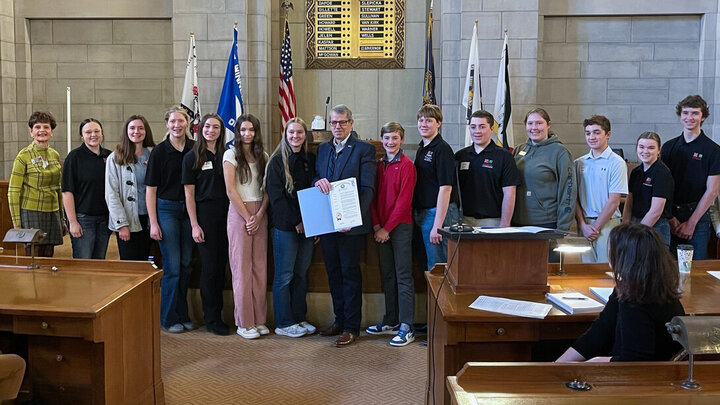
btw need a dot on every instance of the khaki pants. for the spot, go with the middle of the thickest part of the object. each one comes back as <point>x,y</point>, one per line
<point>472,221</point>
<point>599,251</point>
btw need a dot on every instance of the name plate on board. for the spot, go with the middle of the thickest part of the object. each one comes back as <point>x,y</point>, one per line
<point>355,34</point>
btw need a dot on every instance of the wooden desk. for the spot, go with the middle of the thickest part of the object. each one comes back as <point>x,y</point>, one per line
<point>650,383</point>
<point>88,331</point>
<point>458,334</point>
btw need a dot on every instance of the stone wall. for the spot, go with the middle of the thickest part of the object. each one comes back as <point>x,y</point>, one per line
<point>115,68</point>
<point>631,69</point>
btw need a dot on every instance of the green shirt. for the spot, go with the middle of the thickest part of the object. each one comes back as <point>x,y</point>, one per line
<point>35,181</point>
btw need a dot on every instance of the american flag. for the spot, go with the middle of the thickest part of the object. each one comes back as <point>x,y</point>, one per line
<point>286,101</point>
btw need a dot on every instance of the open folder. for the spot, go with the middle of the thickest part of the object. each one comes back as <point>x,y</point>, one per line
<point>326,213</point>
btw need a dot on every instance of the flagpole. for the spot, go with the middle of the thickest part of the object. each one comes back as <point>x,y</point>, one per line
<point>69,121</point>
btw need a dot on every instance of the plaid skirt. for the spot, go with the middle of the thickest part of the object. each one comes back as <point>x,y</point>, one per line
<point>48,222</point>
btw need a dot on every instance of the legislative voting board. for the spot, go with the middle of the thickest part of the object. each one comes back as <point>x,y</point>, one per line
<point>355,34</point>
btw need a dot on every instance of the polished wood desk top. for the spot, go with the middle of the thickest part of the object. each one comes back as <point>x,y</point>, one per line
<point>617,383</point>
<point>700,294</point>
<point>79,288</point>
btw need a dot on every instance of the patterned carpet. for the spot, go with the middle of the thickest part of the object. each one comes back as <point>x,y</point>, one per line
<point>201,368</point>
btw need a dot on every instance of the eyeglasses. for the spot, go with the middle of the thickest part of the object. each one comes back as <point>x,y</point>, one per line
<point>341,123</point>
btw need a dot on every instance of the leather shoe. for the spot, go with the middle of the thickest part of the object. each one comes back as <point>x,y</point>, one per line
<point>334,330</point>
<point>345,339</point>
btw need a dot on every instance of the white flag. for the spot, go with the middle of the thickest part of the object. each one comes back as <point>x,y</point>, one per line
<point>189,99</point>
<point>503,106</point>
<point>472,92</point>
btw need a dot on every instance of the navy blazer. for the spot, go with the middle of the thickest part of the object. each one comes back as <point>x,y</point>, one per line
<point>357,159</point>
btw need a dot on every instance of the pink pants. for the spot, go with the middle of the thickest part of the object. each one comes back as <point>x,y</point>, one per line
<point>248,263</point>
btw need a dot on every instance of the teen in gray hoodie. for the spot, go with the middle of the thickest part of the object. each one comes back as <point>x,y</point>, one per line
<point>548,191</point>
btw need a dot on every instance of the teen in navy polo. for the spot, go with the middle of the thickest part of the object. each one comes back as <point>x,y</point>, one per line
<point>488,176</point>
<point>433,201</point>
<point>694,161</point>
<point>651,188</point>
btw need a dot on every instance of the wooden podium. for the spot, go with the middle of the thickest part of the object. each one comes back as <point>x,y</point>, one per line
<point>498,263</point>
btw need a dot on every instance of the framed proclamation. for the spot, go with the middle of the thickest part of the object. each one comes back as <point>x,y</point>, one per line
<point>355,34</point>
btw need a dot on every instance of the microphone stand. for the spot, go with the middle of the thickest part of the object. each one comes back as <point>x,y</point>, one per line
<point>459,226</point>
<point>327,101</point>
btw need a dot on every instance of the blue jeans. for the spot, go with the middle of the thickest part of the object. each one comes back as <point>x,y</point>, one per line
<point>94,241</point>
<point>425,218</point>
<point>176,247</point>
<point>662,226</point>
<point>699,240</point>
<point>292,253</point>
<point>395,263</point>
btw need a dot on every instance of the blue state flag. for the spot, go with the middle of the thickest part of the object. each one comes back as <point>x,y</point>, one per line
<point>230,105</point>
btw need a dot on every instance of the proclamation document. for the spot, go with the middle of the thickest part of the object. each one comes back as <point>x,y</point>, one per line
<point>345,204</point>
<point>327,213</point>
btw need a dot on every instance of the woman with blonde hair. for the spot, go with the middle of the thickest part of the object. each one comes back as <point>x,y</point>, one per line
<point>169,222</point>
<point>291,168</point>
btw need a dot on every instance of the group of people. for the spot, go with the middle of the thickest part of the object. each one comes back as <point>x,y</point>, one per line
<point>177,194</point>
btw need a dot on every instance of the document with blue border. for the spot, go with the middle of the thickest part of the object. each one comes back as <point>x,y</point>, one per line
<point>327,213</point>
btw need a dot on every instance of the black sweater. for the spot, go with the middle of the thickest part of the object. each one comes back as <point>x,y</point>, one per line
<point>631,332</point>
<point>284,206</point>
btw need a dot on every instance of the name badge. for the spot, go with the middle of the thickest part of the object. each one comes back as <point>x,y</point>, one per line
<point>41,161</point>
<point>464,165</point>
<point>522,153</point>
<point>207,165</point>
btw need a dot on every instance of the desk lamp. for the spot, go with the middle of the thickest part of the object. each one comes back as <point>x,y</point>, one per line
<point>697,335</point>
<point>569,244</point>
<point>31,236</point>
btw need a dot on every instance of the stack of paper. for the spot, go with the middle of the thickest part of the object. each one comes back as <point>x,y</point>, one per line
<point>511,307</point>
<point>714,273</point>
<point>602,292</point>
<point>574,302</point>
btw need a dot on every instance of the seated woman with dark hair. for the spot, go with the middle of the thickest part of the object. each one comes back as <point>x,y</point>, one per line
<point>632,325</point>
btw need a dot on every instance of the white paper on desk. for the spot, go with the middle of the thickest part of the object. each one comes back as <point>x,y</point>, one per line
<point>345,204</point>
<point>511,307</point>
<point>715,274</point>
<point>602,292</point>
<point>511,229</point>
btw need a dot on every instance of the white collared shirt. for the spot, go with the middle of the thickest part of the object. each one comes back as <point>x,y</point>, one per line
<point>597,177</point>
<point>339,146</point>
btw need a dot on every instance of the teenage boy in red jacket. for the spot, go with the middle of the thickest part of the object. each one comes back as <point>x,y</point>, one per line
<point>393,225</point>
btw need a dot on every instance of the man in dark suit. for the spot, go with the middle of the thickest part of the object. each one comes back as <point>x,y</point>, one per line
<point>343,157</point>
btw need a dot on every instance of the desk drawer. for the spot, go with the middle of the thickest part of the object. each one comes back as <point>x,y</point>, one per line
<point>53,326</point>
<point>501,332</point>
<point>66,370</point>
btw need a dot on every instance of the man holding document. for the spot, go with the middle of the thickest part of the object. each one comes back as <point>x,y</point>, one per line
<point>343,157</point>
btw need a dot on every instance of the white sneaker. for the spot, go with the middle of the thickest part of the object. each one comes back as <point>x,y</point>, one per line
<point>262,329</point>
<point>293,331</point>
<point>249,333</point>
<point>310,328</point>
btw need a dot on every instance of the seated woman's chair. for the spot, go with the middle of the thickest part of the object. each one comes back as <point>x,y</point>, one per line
<point>12,370</point>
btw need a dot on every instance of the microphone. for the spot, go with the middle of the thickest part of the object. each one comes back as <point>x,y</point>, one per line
<point>459,226</point>
<point>327,101</point>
